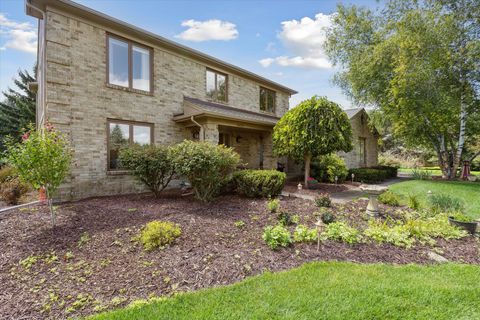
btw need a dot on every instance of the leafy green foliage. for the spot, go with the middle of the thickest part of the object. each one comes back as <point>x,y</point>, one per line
<point>459,216</point>
<point>327,216</point>
<point>445,203</point>
<point>389,198</point>
<point>391,171</point>
<point>259,183</point>
<point>158,234</point>
<point>303,234</point>
<point>152,165</point>
<point>368,175</point>
<point>418,174</point>
<point>413,201</point>
<point>286,219</point>
<point>239,224</point>
<point>273,205</point>
<point>7,173</point>
<point>207,166</point>
<point>277,236</point>
<point>323,200</point>
<point>326,168</point>
<point>340,231</point>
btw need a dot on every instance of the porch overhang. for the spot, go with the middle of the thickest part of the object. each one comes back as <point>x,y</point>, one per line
<point>205,112</point>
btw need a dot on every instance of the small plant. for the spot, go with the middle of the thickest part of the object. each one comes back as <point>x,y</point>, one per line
<point>303,234</point>
<point>327,167</point>
<point>239,224</point>
<point>277,236</point>
<point>418,174</point>
<point>323,200</point>
<point>273,205</point>
<point>413,202</point>
<point>285,218</point>
<point>158,234</point>
<point>327,216</point>
<point>445,203</point>
<point>29,261</point>
<point>295,219</point>
<point>389,198</point>
<point>339,231</point>
<point>459,216</point>
<point>84,238</point>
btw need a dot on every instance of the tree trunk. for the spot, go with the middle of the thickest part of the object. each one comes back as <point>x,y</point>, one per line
<point>308,159</point>
<point>50,206</point>
<point>461,141</point>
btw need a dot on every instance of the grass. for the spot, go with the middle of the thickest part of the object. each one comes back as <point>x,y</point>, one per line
<point>435,171</point>
<point>330,290</point>
<point>469,192</point>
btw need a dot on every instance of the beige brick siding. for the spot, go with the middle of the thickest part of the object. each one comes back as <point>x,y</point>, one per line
<point>79,102</point>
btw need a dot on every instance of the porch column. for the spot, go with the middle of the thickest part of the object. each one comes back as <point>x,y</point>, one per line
<point>269,160</point>
<point>211,132</point>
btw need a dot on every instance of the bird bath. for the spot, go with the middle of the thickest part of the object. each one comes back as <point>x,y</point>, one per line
<point>373,192</point>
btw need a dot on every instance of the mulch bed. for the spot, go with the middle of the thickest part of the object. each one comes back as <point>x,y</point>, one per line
<point>110,270</point>
<point>314,190</point>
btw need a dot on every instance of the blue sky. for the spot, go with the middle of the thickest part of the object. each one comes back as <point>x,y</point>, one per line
<point>278,39</point>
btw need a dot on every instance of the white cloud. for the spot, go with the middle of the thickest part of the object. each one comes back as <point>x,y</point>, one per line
<point>19,36</point>
<point>304,39</point>
<point>208,30</point>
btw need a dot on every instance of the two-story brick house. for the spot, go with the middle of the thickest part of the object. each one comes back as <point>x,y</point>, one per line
<point>107,84</point>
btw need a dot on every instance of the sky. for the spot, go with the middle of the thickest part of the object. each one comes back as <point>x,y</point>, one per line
<point>277,39</point>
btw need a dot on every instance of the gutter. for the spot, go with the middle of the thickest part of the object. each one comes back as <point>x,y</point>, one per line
<point>202,131</point>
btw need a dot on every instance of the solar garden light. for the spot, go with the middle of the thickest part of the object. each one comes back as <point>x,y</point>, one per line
<point>319,225</point>
<point>336,179</point>
<point>353,176</point>
<point>299,186</point>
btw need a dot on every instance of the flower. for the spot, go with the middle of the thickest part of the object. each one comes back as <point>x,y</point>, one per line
<point>25,136</point>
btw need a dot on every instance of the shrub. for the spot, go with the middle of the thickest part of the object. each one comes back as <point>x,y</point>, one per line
<point>207,166</point>
<point>382,233</point>
<point>459,216</point>
<point>421,174</point>
<point>11,190</point>
<point>339,231</point>
<point>152,165</point>
<point>259,183</point>
<point>158,234</point>
<point>327,167</point>
<point>273,205</point>
<point>413,202</point>
<point>277,236</point>
<point>303,234</point>
<point>391,171</point>
<point>323,200</point>
<point>445,203</point>
<point>389,198</point>
<point>327,216</point>
<point>285,218</point>
<point>368,175</point>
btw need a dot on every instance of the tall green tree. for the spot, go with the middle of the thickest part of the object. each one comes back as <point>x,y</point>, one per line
<point>315,127</point>
<point>418,62</point>
<point>17,110</point>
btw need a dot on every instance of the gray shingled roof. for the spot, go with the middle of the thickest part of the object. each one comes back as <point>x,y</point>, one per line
<point>352,112</point>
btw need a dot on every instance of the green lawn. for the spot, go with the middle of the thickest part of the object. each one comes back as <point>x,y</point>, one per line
<point>468,191</point>
<point>330,290</point>
<point>435,171</point>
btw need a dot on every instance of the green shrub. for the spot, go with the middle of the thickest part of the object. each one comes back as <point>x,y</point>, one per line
<point>158,234</point>
<point>277,236</point>
<point>391,171</point>
<point>259,183</point>
<point>303,234</point>
<point>327,216</point>
<point>273,205</point>
<point>152,165</point>
<point>368,175</point>
<point>445,203</point>
<point>421,174</point>
<point>327,167</point>
<point>286,219</point>
<point>339,231</point>
<point>389,198</point>
<point>207,166</point>
<point>323,200</point>
<point>397,235</point>
<point>459,216</point>
<point>413,202</point>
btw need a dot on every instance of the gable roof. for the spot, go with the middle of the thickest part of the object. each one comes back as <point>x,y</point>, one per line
<point>103,19</point>
<point>195,107</point>
<point>352,112</point>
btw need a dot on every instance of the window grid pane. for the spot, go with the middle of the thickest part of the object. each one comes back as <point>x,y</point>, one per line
<point>216,86</point>
<point>141,69</point>
<point>118,62</point>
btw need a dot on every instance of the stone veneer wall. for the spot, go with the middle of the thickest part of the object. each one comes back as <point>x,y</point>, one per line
<point>78,101</point>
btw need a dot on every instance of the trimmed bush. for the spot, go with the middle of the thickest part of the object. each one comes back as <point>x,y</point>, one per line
<point>326,168</point>
<point>207,166</point>
<point>259,183</point>
<point>389,198</point>
<point>158,234</point>
<point>368,175</point>
<point>327,216</point>
<point>277,236</point>
<point>152,165</point>
<point>273,205</point>
<point>323,200</point>
<point>391,171</point>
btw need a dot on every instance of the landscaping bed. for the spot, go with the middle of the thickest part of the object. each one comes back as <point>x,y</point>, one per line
<point>89,262</point>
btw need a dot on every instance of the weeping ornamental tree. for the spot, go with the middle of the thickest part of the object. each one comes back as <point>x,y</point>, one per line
<point>418,62</point>
<point>314,128</point>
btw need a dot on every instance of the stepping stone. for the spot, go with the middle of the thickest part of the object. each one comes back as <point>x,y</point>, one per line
<point>436,257</point>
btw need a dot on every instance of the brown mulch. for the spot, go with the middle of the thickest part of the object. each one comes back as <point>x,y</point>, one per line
<point>109,270</point>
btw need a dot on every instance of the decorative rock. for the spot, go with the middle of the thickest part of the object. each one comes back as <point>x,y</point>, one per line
<point>436,257</point>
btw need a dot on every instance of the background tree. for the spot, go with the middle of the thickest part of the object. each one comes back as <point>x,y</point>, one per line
<point>417,61</point>
<point>17,110</point>
<point>315,127</point>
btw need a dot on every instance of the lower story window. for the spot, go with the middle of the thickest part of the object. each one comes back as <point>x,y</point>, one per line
<point>122,134</point>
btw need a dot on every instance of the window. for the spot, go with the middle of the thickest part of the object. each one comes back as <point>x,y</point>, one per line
<point>125,133</point>
<point>224,138</point>
<point>267,100</point>
<point>216,86</point>
<point>362,151</point>
<point>129,64</point>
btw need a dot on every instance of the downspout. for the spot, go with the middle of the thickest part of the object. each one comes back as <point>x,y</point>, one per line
<point>42,56</point>
<point>202,131</point>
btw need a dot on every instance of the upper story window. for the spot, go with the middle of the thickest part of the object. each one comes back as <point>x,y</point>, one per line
<point>216,86</point>
<point>129,64</point>
<point>124,133</point>
<point>267,100</point>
